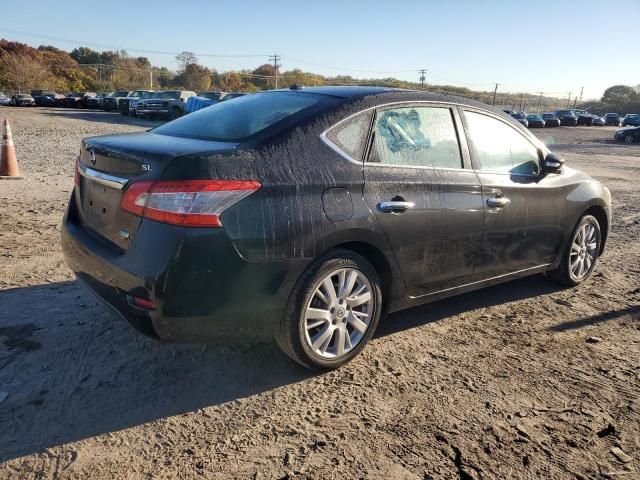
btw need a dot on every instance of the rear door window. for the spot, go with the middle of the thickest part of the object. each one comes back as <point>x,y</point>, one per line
<point>418,136</point>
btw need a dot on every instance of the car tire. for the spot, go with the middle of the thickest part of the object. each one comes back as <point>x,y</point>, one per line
<point>339,326</point>
<point>581,254</point>
<point>629,139</point>
<point>175,113</point>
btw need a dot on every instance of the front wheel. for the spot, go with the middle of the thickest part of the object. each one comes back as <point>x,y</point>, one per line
<point>332,312</point>
<point>629,139</point>
<point>581,254</point>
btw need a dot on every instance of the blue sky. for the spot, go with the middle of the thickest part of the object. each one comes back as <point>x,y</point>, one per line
<point>551,46</point>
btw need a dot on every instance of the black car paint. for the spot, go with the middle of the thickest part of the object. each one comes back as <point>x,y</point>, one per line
<point>314,198</point>
<point>623,134</point>
<point>567,118</point>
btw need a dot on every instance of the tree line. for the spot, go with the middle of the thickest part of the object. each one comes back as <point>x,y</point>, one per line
<point>23,67</point>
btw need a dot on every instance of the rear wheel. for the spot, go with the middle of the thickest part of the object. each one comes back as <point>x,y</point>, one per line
<point>581,254</point>
<point>332,312</point>
<point>629,139</point>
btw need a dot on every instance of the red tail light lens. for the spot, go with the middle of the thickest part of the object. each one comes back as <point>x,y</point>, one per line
<point>193,203</point>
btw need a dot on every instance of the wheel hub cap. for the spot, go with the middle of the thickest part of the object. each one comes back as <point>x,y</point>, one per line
<point>584,250</point>
<point>339,313</point>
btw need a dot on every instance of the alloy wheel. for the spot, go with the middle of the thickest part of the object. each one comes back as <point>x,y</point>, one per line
<point>339,313</point>
<point>584,250</point>
<point>628,139</point>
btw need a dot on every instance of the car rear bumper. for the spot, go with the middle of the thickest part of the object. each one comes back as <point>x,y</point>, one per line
<point>202,288</point>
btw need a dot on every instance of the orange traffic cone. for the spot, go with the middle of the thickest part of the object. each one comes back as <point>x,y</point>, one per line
<point>8,162</point>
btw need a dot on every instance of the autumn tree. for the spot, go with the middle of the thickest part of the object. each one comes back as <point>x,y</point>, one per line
<point>194,77</point>
<point>21,72</point>
<point>185,58</point>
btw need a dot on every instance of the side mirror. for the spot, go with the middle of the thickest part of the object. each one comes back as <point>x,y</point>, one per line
<point>552,163</point>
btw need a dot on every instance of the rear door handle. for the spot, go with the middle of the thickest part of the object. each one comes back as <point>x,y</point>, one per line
<point>498,202</point>
<point>395,206</point>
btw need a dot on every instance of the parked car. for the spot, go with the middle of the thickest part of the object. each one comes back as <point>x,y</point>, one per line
<point>631,120</point>
<point>202,100</point>
<point>125,103</point>
<point>612,119</point>
<point>521,117</point>
<point>22,100</point>
<point>167,104</point>
<point>584,117</point>
<point>73,100</point>
<point>133,103</point>
<point>4,100</point>
<point>95,102</point>
<point>46,100</point>
<point>111,101</point>
<point>550,120</point>
<point>535,121</point>
<point>509,112</point>
<point>305,215</point>
<point>628,135</point>
<point>598,121</point>
<point>567,118</point>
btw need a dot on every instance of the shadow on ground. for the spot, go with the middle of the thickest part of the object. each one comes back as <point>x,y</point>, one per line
<point>72,371</point>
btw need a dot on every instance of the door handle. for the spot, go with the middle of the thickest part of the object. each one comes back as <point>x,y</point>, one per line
<point>395,206</point>
<point>498,202</point>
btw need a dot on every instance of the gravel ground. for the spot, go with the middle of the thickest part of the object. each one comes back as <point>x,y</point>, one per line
<point>523,380</point>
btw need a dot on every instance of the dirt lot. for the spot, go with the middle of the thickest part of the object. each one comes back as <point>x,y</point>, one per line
<point>500,383</point>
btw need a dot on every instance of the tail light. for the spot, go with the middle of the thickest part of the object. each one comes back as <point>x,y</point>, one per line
<point>191,203</point>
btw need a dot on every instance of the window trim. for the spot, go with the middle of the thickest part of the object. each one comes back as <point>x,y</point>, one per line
<point>324,136</point>
<point>462,145</point>
<point>534,141</point>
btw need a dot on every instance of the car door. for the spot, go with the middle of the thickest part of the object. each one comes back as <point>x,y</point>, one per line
<point>423,193</point>
<point>524,210</point>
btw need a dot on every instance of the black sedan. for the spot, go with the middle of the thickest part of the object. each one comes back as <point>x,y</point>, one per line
<point>306,215</point>
<point>535,121</point>
<point>612,119</point>
<point>567,118</point>
<point>631,120</point>
<point>550,120</point>
<point>521,117</point>
<point>628,135</point>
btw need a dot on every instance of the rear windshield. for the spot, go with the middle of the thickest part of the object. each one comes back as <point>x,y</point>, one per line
<point>565,112</point>
<point>548,115</point>
<point>240,119</point>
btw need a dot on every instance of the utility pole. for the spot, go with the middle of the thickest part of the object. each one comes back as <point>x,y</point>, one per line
<point>275,58</point>
<point>521,95</point>
<point>539,99</point>
<point>422,77</point>
<point>495,90</point>
<point>150,79</point>
<point>569,100</point>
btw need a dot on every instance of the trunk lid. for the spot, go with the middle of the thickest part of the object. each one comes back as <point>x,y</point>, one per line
<point>109,164</point>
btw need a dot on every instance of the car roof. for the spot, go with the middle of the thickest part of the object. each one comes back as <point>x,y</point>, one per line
<point>383,95</point>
